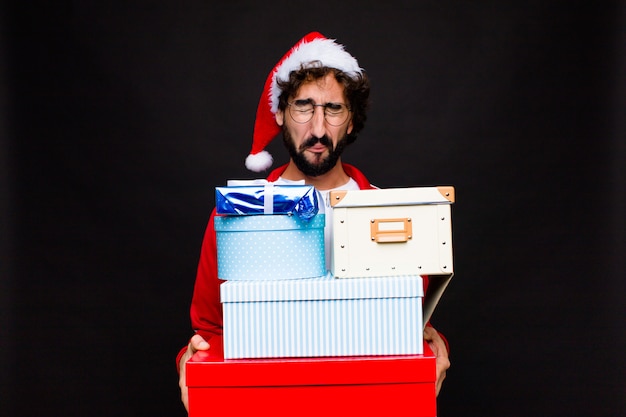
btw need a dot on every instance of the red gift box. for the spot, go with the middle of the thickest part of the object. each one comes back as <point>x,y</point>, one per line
<point>364,386</point>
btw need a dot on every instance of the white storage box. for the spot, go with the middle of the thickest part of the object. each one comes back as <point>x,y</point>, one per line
<point>396,231</point>
<point>269,247</point>
<point>322,317</point>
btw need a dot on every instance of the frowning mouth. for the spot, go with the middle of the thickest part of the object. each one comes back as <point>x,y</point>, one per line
<point>317,148</point>
<point>316,145</point>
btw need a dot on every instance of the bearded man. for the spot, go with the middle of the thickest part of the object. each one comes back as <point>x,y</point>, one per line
<point>317,96</point>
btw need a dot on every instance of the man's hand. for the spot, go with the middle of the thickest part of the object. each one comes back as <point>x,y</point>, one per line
<point>196,343</point>
<point>438,346</point>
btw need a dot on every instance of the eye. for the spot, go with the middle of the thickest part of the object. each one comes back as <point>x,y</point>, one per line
<point>302,105</point>
<point>334,108</point>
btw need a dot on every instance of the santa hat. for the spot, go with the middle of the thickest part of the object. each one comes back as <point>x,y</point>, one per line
<point>313,48</point>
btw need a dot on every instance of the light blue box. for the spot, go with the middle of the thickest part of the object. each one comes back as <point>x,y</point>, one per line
<point>266,247</point>
<point>323,317</point>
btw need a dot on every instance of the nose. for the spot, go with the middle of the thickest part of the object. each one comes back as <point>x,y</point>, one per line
<point>318,123</point>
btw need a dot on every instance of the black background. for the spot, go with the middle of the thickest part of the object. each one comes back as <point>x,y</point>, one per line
<point>119,118</point>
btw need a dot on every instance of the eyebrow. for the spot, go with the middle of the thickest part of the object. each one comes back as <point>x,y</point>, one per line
<point>310,100</point>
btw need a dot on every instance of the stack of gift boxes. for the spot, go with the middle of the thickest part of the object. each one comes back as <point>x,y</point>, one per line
<point>280,301</point>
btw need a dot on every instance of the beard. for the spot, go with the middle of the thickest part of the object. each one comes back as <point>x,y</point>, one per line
<point>321,165</point>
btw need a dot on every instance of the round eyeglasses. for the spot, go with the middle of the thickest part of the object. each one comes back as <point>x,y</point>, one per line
<point>335,114</point>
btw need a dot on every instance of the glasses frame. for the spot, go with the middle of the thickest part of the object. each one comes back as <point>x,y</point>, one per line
<point>324,106</point>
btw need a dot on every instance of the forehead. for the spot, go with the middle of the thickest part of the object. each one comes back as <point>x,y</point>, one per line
<point>321,90</point>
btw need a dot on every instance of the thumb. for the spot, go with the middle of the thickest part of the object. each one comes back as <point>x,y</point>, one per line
<point>197,342</point>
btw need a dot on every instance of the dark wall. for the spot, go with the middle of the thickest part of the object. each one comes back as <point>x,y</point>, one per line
<point>120,118</point>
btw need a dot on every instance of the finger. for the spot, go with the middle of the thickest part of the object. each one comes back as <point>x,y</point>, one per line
<point>439,384</point>
<point>197,342</point>
<point>184,391</point>
<point>442,367</point>
<point>429,333</point>
<point>184,396</point>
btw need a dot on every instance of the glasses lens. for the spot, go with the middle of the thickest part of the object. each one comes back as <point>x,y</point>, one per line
<point>301,111</point>
<point>336,114</point>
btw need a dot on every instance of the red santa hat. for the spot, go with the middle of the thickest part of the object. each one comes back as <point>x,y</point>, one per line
<point>313,48</point>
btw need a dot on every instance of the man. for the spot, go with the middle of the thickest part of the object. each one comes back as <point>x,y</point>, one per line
<point>318,96</point>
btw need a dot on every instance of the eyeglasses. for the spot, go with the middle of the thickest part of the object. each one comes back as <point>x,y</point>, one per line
<point>335,114</point>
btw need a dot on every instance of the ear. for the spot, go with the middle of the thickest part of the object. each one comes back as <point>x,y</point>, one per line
<point>280,117</point>
<point>350,126</point>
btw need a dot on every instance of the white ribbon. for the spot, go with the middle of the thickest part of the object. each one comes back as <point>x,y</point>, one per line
<point>268,200</point>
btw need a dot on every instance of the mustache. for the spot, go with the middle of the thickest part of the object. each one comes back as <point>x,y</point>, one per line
<point>324,140</point>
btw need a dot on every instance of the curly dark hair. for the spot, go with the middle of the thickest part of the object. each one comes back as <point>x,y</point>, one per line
<point>356,90</point>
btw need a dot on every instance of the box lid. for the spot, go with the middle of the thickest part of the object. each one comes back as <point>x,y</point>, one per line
<point>273,222</point>
<point>322,288</point>
<point>209,368</point>
<point>392,196</point>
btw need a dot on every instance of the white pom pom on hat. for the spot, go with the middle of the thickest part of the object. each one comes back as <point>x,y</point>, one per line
<point>313,48</point>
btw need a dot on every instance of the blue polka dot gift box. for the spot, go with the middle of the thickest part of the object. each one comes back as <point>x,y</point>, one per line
<point>270,247</point>
<point>269,231</point>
